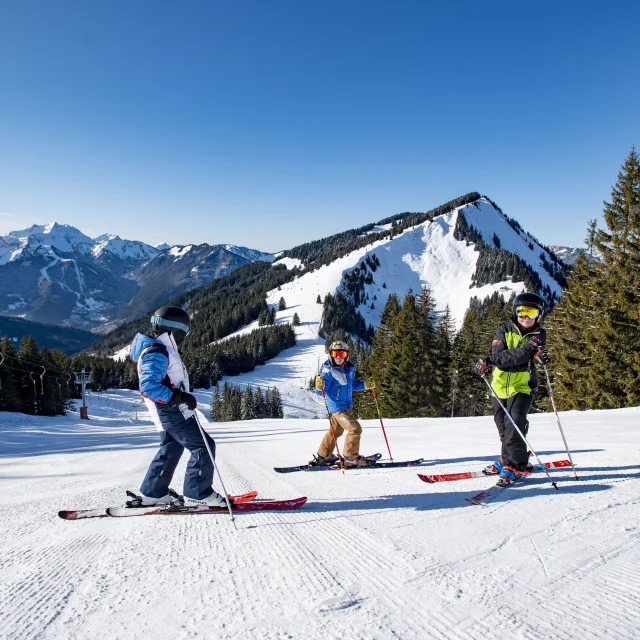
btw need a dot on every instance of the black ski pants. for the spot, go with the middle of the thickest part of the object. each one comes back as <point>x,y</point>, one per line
<point>514,449</point>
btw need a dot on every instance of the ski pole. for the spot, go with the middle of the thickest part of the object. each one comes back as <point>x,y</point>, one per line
<point>333,433</point>
<point>513,422</point>
<point>215,468</point>
<point>373,393</point>
<point>553,402</point>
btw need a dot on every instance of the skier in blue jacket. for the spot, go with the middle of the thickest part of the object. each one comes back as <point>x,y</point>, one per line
<point>337,381</point>
<point>164,385</point>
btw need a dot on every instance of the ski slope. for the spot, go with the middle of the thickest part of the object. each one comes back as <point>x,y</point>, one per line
<point>373,554</point>
<point>424,255</point>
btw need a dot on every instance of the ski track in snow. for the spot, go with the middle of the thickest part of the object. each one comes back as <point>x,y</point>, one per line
<point>373,554</point>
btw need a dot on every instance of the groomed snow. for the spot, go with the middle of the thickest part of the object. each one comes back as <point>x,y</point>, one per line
<point>374,554</point>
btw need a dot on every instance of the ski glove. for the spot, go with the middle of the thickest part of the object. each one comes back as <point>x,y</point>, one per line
<point>542,357</point>
<point>319,383</point>
<point>182,397</point>
<point>369,384</point>
<point>481,366</point>
<point>535,342</point>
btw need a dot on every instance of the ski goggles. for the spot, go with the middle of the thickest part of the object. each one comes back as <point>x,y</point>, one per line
<point>163,322</point>
<point>527,312</point>
<point>339,354</point>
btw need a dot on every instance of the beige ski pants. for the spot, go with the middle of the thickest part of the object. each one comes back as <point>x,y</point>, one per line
<point>342,421</point>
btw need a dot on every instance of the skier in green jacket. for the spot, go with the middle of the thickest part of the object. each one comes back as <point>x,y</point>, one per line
<point>516,347</point>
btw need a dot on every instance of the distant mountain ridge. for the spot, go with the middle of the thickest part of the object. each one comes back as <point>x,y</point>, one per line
<point>569,255</point>
<point>56,274</point>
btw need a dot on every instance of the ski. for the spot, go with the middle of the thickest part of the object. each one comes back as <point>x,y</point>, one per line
<point>486,496</point>
<point>336,467</point>
<point>81,514</point>
<point>464,475</point>
<point>170,510</point>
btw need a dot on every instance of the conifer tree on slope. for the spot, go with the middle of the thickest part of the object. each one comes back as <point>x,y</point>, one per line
<point>428,360</point>
<point>445,335</point>
<point>10,396</point>
<point>404,362</point>
<point>619,329</point>
<point>246,404</point>
<point>596,336</point>
<point>570,329</point>
<point>378,362</point>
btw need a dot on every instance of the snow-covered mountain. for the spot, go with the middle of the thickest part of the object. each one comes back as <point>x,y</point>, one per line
<point>56,274</point>
<point>424,255</point>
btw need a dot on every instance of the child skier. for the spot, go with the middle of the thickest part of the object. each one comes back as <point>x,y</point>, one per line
<point>338,381</point>
<point>516,347</point>
<point>164,385</point>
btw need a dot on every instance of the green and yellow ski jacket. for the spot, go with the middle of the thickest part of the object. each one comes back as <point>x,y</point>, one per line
<point>512,356</point>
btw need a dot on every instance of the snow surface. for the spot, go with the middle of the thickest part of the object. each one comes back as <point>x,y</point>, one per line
<point>373,554</point>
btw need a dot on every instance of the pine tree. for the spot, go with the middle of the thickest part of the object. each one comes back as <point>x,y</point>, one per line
<point>234,405</point>
<point>568,342</point>
<point>296,320</point>
<point>259,405</point>
<point>10,394</point>
<point>282,305</point>
<point>445,335</point>
<point>377,364</point>
<point>595,345</point>
<point>246,404</point>
<point>216,405</point>
<point>616,370</point>
<point>405,383</point>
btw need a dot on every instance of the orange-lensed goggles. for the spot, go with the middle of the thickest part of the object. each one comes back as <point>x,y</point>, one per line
<point>339,354</point>
<point>527,312</point>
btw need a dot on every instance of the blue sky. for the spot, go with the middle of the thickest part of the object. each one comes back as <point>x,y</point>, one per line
<point>268,124</point>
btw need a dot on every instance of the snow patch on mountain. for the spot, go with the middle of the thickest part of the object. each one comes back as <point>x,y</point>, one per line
<point>290,263</point>
<point>124,249</point>
<point>179,252</point>
<point>378,228</point>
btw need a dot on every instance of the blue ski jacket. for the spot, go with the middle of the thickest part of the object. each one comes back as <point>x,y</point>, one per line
<point>339,385</point>
<point>160,372</point>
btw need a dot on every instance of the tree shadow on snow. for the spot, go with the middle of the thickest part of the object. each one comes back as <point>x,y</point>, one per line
<point>29,441</point>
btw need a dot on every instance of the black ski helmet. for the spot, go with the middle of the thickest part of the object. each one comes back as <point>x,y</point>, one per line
<point>528,299</point>
<point>172,320</point>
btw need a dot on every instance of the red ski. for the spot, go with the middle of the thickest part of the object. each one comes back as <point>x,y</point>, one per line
<point>464,475</point>
<point>169,510</point>
<point>81,514</point>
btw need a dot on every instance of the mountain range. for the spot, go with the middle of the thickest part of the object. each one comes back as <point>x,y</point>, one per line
<point>56,274</point>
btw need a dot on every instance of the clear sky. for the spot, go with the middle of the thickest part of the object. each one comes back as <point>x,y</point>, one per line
<point>268,123</point>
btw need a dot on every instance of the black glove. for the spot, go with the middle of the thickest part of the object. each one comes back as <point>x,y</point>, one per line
<point>535,342</point>
<point>481,366</point>
<point>182,397</point>
<point>542,357</point>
